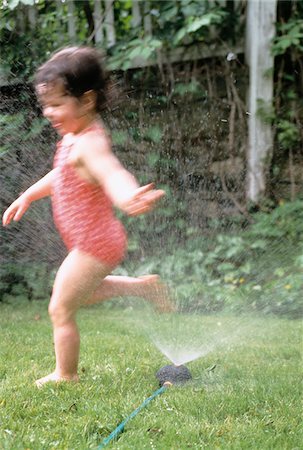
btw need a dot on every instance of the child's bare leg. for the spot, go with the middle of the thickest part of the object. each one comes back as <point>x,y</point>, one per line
<point>148,287</point>
<point>76,280</point>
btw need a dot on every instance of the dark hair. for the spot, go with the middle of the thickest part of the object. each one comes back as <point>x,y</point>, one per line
<point>80,69</point>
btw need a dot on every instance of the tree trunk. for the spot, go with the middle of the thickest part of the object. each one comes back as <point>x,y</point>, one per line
<point>89,17</point>
<point>59,16</point>
<point>136,14</point>
<point>98,19</point>
<point>110,23</point>
<point>32,17</point>
<point>261,17</point>
<point>71,20</point>
<point>147,19</point>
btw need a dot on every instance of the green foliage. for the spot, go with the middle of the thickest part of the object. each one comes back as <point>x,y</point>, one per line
<point>259,269</point>
<point>154,134</point>
<point>125,53</point>
<point>266,111</point>
<point>17,124</point>
<point>194,24</point>
<point>290,35</point>
<point>189,90</point>
<point>288,134</point>
<point>12,4</point>
<point>284,222</point>
<point>34,44</point>
<point>287,47</point>
<point>29,280</point>
<point>287,131</point>
<point>9,123</point>
<point>187,21</point>
<point>173,23</point>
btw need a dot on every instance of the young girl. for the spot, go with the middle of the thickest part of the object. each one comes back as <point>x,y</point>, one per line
<point>85,183</point>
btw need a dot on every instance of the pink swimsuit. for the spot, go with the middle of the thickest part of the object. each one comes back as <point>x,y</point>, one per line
<point>83,213</point>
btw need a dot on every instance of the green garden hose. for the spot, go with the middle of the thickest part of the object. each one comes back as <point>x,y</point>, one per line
<point>120,427</point>
<point>167,376</point>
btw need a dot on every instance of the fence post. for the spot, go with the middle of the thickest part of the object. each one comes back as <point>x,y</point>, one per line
<point>32,16</point>
<point>136,15</point>
<point>260,30</point>
<point>110,23</point>
<point>71,21</point>
<point>147,19</point>
<point>21,19</point>
<point>98,19</point>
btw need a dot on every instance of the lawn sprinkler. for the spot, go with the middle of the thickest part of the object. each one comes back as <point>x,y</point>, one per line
<point>172,374</point>
<point>167,376</point>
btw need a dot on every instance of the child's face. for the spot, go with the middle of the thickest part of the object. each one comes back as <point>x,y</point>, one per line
<point>67,114</point>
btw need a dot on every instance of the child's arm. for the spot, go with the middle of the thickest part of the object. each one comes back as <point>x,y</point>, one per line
<point>38,190</point>
<point>121,186</point>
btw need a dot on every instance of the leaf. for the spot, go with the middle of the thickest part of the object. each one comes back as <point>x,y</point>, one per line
<point>147,52</point>
<point>3,149</point>
<point>119,137</point>
<point>179,35</point>
<point>152,159</point>
<point>292,35</point>
<point>36,128</point>
<point>190,8</point>
<point>185,88</point>
<point>28,2</point>
<point>279,272</point>
<point>299,261</point>
<point>258,244</point>
<point>156,43</point>
<point>125,65</point>
<point>224,267</point>
<point>135,42</point>
<point>135,52</point>
<point>154,134</point>
<point>198,23</point>
<point>246,268</point>
<point>168,14</point>
<point>12,4</point>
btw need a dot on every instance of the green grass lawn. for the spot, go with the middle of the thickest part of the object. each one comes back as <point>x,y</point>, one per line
<point>251,399</point>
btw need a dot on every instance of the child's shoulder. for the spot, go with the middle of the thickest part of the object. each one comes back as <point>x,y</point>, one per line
<point>97,126</point>
<point>66,139</point>
<point>92,143</point>
<point>96,131</point>
<point>95,135</point>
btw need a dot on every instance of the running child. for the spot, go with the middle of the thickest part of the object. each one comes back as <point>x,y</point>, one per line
<point>86,181</point>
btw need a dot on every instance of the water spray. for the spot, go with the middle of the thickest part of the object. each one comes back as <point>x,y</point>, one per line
<point>167,376</point>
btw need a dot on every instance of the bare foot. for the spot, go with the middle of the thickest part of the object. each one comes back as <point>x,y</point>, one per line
<point>54,378</point>
<point>157,293</point>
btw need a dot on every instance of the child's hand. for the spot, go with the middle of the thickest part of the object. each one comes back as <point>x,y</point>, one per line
<point>16,210</point>
<point>143,200</point>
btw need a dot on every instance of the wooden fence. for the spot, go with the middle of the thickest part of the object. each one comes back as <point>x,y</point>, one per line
<point>104,29</point>
<point>260,29</point>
